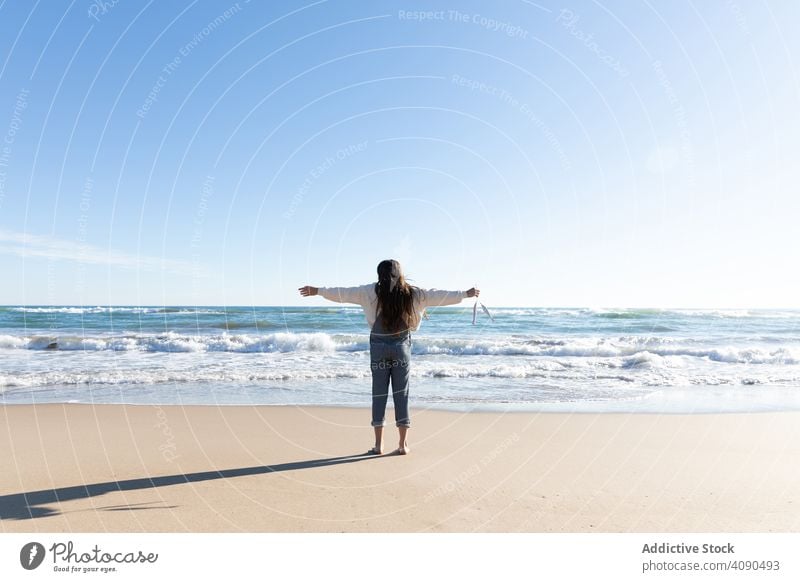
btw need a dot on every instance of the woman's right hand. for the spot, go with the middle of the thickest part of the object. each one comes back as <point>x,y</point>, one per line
<point>308,291</point>
<point>473,292</point>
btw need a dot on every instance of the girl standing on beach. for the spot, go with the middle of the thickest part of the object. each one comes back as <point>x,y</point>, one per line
<point>393,309</point>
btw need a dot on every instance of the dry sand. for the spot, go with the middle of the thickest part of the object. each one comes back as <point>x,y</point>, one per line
<point>112,468</point>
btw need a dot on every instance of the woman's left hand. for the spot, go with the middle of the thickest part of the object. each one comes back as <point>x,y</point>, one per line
<point>308,291</point>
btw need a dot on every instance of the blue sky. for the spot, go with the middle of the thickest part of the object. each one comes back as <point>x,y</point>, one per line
<point>556,154</point>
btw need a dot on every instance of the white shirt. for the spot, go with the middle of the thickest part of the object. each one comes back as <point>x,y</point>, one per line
<point>365,296</point>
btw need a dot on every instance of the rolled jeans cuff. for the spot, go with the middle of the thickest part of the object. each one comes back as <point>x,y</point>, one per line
<point>378,423</point>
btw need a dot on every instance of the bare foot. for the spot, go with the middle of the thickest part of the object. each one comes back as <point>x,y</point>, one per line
<point>403,450</point>
<point>375,451</point>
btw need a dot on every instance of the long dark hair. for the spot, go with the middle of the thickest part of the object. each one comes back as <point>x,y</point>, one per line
<point>395,297</point>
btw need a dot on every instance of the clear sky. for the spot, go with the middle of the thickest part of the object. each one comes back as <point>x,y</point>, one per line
<point>577,153</point>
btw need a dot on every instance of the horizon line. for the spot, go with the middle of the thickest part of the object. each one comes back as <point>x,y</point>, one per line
<point>198,305</point>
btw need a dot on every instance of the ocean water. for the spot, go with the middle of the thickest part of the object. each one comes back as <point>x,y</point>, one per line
<point>621,360</point>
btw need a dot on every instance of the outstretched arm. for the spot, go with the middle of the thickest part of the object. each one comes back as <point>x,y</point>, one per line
<point>437,297</point>
<point>357,295</point>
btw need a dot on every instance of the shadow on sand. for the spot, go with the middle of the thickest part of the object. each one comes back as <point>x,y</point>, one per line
<point>31,505</point>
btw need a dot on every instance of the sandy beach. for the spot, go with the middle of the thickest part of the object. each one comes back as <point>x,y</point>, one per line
<point>112,468</point>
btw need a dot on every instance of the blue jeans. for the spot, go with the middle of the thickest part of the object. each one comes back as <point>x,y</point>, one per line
<point>390,358</point>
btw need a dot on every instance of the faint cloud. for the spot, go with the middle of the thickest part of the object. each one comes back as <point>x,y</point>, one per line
<point>49,247</point>
<point>402,251</point>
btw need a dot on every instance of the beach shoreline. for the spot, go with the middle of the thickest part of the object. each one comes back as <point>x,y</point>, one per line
<point>168,468</point>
